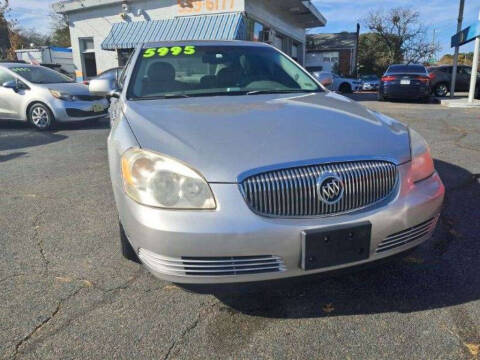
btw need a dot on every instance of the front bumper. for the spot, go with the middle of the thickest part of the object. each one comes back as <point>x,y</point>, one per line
<point>164,237</point>
<point>67,111</point>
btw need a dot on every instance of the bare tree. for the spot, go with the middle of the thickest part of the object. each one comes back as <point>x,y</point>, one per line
<point>403,35</point>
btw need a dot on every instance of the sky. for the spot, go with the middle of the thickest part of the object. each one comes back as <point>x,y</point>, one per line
<point>342,15</point>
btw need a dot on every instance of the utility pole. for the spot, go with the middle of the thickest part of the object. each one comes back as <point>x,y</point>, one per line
<point>455,58</point>
<point>473,80</point>
<point>356,51</point>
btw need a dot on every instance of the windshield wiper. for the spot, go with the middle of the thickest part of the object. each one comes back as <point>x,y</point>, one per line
<point>261,92</point>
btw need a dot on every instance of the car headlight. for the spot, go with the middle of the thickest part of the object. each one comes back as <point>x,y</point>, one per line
<point>422,164</point>
<point>62,96</point>
<point>159,181</point>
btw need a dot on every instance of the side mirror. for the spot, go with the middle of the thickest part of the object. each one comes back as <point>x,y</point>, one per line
<point>12,84</point>
<point>101,87</point>
<point>324,78</point>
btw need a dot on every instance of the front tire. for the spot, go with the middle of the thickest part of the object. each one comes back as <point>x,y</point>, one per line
<point>40,116</point>
<point>345,88</point>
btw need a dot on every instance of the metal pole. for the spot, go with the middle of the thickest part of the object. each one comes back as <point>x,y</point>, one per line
<point>457,48</point>
<point>356,51</point>
<point>473,80</point>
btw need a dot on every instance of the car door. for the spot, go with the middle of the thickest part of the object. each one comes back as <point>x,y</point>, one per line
<point>463,78</point>
<point>12,101</point>
<point>6,96</point>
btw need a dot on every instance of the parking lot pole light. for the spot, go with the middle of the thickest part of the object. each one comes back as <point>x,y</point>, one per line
<point>473,80</point>
<point>457,48</point>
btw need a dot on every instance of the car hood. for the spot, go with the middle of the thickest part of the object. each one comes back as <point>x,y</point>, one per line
<point>68,88</point>
<point>228,137</point>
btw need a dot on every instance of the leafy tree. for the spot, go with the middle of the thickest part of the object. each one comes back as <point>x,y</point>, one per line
<point>4,29</point>
<point>373,55</point>
<point>61,32</point>
<point>463,59</point>
<point>402,35</point>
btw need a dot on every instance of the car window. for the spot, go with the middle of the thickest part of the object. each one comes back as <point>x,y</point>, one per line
<point>465,71</point>
<point>109,74</point>
<point>220,70</point>
<point>415,69</point>
<point>40,75</point>
<point>5,77</point>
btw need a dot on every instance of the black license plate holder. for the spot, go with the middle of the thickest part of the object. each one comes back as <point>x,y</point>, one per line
<point>335,245</point>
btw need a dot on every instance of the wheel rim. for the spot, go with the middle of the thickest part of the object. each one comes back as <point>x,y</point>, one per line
<point>40,117</point>
<point>442,90</point>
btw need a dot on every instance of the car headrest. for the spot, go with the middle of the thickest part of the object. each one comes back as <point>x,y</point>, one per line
<point>161,71</point>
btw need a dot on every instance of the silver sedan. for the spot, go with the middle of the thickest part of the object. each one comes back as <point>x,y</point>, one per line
<point>230,163</point>
<point>43,96</point>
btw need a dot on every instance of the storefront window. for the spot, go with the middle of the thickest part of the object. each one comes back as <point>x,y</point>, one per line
<point>255,30</point>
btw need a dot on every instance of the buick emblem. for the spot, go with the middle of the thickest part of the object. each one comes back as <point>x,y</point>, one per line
<point>330,188</point>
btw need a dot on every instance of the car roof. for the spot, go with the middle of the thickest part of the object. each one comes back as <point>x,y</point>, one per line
<point>15,64</point>
<point>205,43</point>
<point>407,65</point>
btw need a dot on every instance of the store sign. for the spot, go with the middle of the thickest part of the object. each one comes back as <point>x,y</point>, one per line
<point>466,35</point>
<point>186,7</point>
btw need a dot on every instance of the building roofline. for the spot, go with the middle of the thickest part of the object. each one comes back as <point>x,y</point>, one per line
<point>66,6</point>
<point>315,12</point>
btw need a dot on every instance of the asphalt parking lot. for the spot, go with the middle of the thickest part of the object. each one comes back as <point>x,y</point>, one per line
<point>66,292</point>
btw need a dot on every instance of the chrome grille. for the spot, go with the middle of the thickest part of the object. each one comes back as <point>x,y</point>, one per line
<point>408,235</point>
<point>212,266</point>
<point>293,192</point>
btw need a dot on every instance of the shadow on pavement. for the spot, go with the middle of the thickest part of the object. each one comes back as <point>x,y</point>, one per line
<point>18,135</point>
<point>103,123</point>
<point>442,272</point>
<point>11,156</point>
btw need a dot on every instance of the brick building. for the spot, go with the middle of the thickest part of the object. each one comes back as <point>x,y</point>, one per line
<point>332,52</point>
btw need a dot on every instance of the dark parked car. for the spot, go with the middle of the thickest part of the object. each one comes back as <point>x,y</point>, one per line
<point>441,79</point>
<point>405,82</point>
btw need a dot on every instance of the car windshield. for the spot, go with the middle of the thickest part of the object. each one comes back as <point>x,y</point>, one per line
<point>215,70</point>
<point>369,77</point>
<point>40,75</point>
<point>408,69</point>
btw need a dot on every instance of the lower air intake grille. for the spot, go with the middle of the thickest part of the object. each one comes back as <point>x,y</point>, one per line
<point>212,266</point>
<point>408,235</point>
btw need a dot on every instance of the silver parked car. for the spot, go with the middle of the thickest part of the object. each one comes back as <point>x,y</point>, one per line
<point>43,96</point>
<point>230,163</point>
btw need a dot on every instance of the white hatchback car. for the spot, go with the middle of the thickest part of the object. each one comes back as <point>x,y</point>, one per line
<point>43,96</point>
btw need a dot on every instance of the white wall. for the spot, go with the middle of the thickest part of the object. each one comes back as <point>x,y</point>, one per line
<point>96,22</point>
<point>267,13</point>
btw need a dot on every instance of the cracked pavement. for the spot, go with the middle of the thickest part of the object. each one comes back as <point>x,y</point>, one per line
<point>66,292</point>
